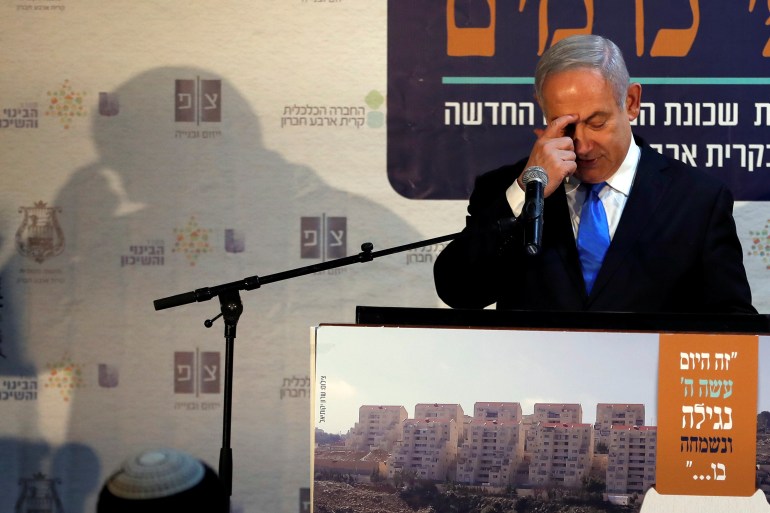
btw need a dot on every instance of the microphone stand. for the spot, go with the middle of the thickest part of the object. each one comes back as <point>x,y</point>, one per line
<point>231,309</point>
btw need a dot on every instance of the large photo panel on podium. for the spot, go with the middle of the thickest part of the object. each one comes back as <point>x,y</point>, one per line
<point>507,413</point>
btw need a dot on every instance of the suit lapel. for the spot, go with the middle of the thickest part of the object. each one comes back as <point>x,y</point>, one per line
<point>649,187</point>
<point>560,228</point>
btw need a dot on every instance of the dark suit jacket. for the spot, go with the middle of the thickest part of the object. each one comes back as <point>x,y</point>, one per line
<point>674,250</point>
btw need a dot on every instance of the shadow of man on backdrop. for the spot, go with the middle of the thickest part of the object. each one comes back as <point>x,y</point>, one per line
<point>181,198</point>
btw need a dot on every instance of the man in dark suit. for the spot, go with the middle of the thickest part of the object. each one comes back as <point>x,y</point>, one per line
<point>672,242</point>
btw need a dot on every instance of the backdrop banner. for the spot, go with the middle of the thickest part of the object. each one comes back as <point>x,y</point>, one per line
<point>154,148</point>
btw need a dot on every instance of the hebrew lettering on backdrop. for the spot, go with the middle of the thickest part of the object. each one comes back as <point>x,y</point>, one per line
<point>209,373</point>
<point>688,385</point>
<point>726,114</point>
<point>502,113</point>
<point>687,153</point>
<point>720,471</point>
<point>183,372</point>
<point>677,42</point>
<point>480,41</point>
<point>751,155</point>
<point>470,41</point>
<point>212,101</point>
<point>338,236</point>
<point>321,115</point>
<point>762,114</point>
<point>185,101</point>
<point>698,413</point>
<point>691,361</point>
<point>309,238</point>
<point>295,387</point>
<point>18,390</point>
<point>562,33</point>
<point>711,444</point>
<point>646,110</point>
<point>18,396</point>
<point>766,49</point>
<point>707,424</point>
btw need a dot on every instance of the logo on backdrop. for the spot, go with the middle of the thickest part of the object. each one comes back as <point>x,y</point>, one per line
<point>23,116</point>
<point>374,118</point>
<point>66,104</point>
<point>109,375</point>
<point>39,236</point>
<point>39,493</point>
<point>108,104</point>
<point>235,241</point>
<point>192,241</point>
<point>197,372</point>
<point>149,254</point>
<point>760,244</point>
<point>197,101</point>
<point>336,116</point>
<point>64,376</point>
<point>323,237</point>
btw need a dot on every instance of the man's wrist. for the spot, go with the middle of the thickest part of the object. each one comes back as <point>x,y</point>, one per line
<point>515,196</point>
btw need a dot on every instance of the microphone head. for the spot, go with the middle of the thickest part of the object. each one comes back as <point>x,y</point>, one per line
<point>534,174</point>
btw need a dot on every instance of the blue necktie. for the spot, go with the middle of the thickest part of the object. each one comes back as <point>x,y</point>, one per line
<point>593,236</point>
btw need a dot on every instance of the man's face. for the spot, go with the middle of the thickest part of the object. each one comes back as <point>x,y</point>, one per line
<point>602,133</point>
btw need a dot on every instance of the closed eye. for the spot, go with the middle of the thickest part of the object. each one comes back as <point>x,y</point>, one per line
<point>597,121</point>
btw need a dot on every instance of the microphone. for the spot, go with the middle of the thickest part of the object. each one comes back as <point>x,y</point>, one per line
<point>534,179</point>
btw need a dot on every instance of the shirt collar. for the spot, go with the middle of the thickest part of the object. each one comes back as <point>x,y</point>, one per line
<point>623,178</point>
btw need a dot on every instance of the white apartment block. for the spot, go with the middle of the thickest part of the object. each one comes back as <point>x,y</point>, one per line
<point>445,411</point>
<point>428,448</point>
<point>631,460</point>
<point>550,413</point>
<point>491,453</point>
<point>439,411</point>
<point>561,453</point>
<point>559,413</point>
<point>609,415</point>
<point>528,423</point>
<point>378,427</point>
<point>497,411</point>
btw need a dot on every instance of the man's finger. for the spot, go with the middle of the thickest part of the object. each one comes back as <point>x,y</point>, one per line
<point>558,127</point>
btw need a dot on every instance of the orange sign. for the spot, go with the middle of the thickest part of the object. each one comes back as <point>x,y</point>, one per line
<point>707,415</point>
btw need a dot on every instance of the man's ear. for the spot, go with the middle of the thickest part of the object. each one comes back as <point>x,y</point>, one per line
<point>633,100</point>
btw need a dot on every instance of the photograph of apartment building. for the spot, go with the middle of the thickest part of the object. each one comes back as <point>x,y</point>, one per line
<point>610,415</point>
<point>428,448</point>
<point>441,443</point>
<point>498,409</point>
<point>377,428</point>
<point>631,463</point>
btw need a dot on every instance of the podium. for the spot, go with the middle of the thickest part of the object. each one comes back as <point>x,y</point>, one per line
<point>605,321</point>
<point>434,360</point>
